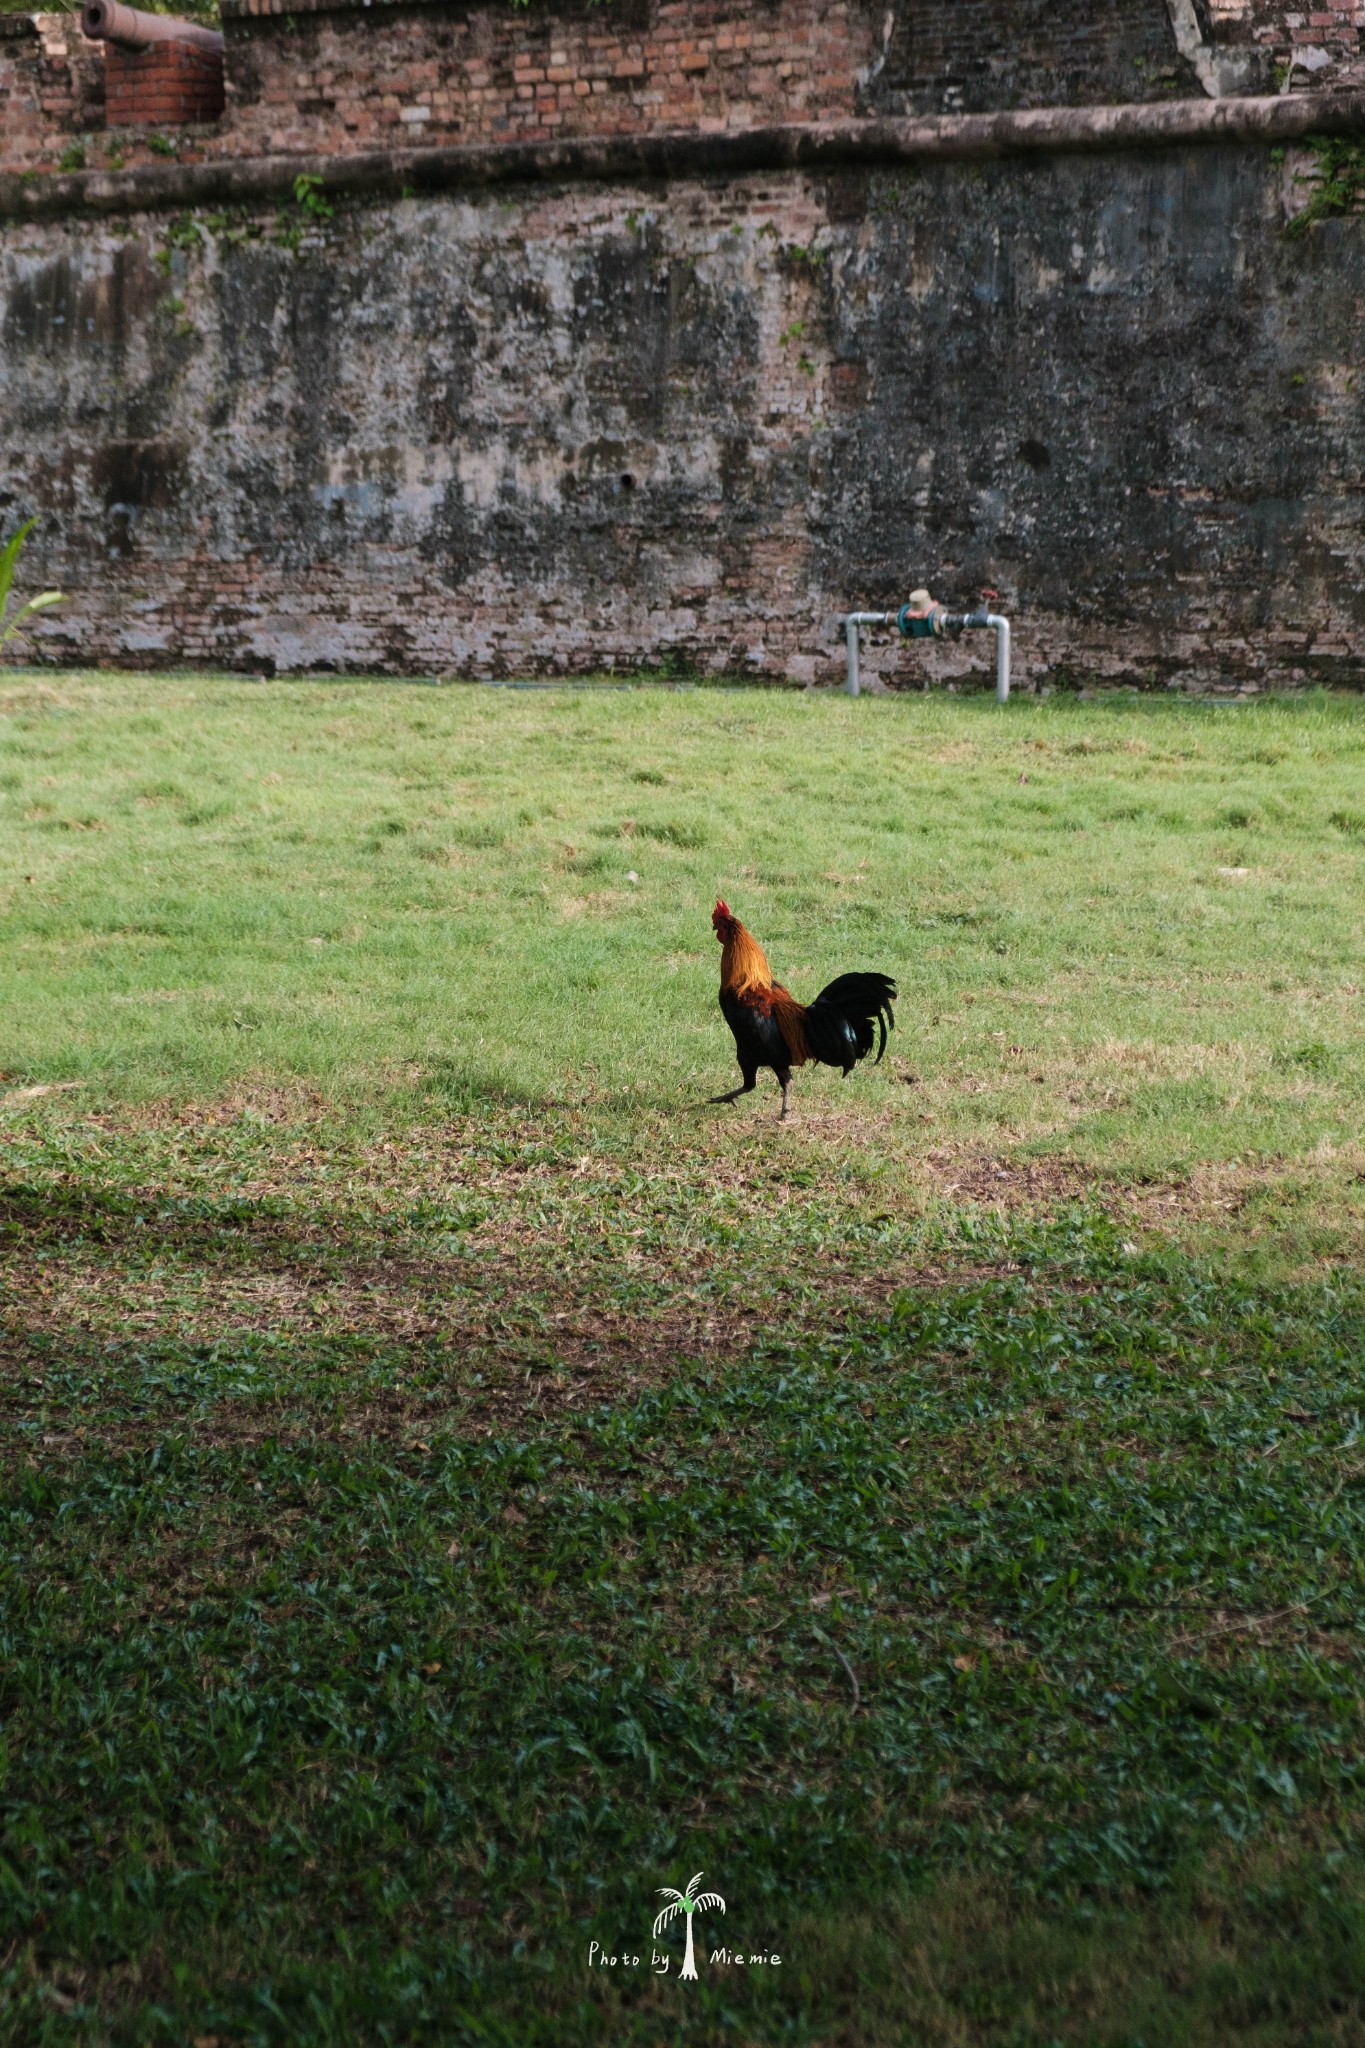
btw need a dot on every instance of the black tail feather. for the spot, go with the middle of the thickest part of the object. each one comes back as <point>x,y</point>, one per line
<point>842,1022</point>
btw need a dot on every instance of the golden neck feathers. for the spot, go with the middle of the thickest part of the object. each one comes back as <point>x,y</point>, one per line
<point>743,963</point>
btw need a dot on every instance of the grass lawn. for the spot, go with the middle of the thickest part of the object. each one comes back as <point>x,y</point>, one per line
<point>456,1482</point>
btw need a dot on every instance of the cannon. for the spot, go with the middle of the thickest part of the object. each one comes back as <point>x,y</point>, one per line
<point>158,71</point>
<point>109,21</point>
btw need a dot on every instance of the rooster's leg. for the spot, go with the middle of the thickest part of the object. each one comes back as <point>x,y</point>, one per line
<point>744,1088</point>
<point>785,1078</point>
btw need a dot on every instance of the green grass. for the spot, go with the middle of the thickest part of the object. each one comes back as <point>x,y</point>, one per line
<point>455,1483</point>
<point>1128,933</point>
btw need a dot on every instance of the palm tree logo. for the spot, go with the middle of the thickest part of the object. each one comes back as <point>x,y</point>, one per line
<point>689,1902</point>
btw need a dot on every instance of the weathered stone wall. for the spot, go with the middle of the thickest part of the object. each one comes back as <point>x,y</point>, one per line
<point>552,430</point>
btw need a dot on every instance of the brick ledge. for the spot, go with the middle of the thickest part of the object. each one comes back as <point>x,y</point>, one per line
<point>824,146</point>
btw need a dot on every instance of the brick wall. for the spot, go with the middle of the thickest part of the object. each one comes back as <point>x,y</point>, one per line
<point>51,87</point>
<point>1337,26</point>
<point>166,85</point>
<point>489,74</point>
<point>343,76</point>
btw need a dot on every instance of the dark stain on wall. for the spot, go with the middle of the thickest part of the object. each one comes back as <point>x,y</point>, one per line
<point>57,307</point>
<point>132,478</point>
<point>980,54</point>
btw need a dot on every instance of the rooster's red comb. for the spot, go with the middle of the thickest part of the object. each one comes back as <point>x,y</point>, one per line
<point>721,910</point>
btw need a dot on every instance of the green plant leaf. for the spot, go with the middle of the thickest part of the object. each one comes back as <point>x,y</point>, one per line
<point>9,556</point>
<point>35,604</point>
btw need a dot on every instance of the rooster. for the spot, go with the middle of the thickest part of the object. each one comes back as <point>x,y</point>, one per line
<point>773,1030</point>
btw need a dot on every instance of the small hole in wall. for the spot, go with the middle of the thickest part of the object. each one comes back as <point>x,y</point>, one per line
<point>627,482</point>
<point>1036,454</point>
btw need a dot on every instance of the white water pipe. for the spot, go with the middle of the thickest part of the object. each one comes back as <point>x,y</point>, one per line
<point>852,624</point>
<point>855,621</point>
<point>1002,656</point>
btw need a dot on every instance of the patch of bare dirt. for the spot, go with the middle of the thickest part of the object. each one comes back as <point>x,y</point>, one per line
<point>1003,1183</point>
<point>1274,1192</point>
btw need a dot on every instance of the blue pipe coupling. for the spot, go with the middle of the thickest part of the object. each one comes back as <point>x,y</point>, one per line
<point>921,620</point>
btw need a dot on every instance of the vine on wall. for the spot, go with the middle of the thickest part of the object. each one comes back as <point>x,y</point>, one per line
<point>1338,181</point>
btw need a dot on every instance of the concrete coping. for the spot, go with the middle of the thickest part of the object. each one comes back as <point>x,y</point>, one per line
<point>798,146</point>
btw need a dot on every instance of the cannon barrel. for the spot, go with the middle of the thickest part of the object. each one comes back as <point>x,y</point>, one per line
<point>109,21</point>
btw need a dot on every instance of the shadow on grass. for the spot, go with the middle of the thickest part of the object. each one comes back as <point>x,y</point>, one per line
<point>343,1702</point>
<point>1266,1950</point>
